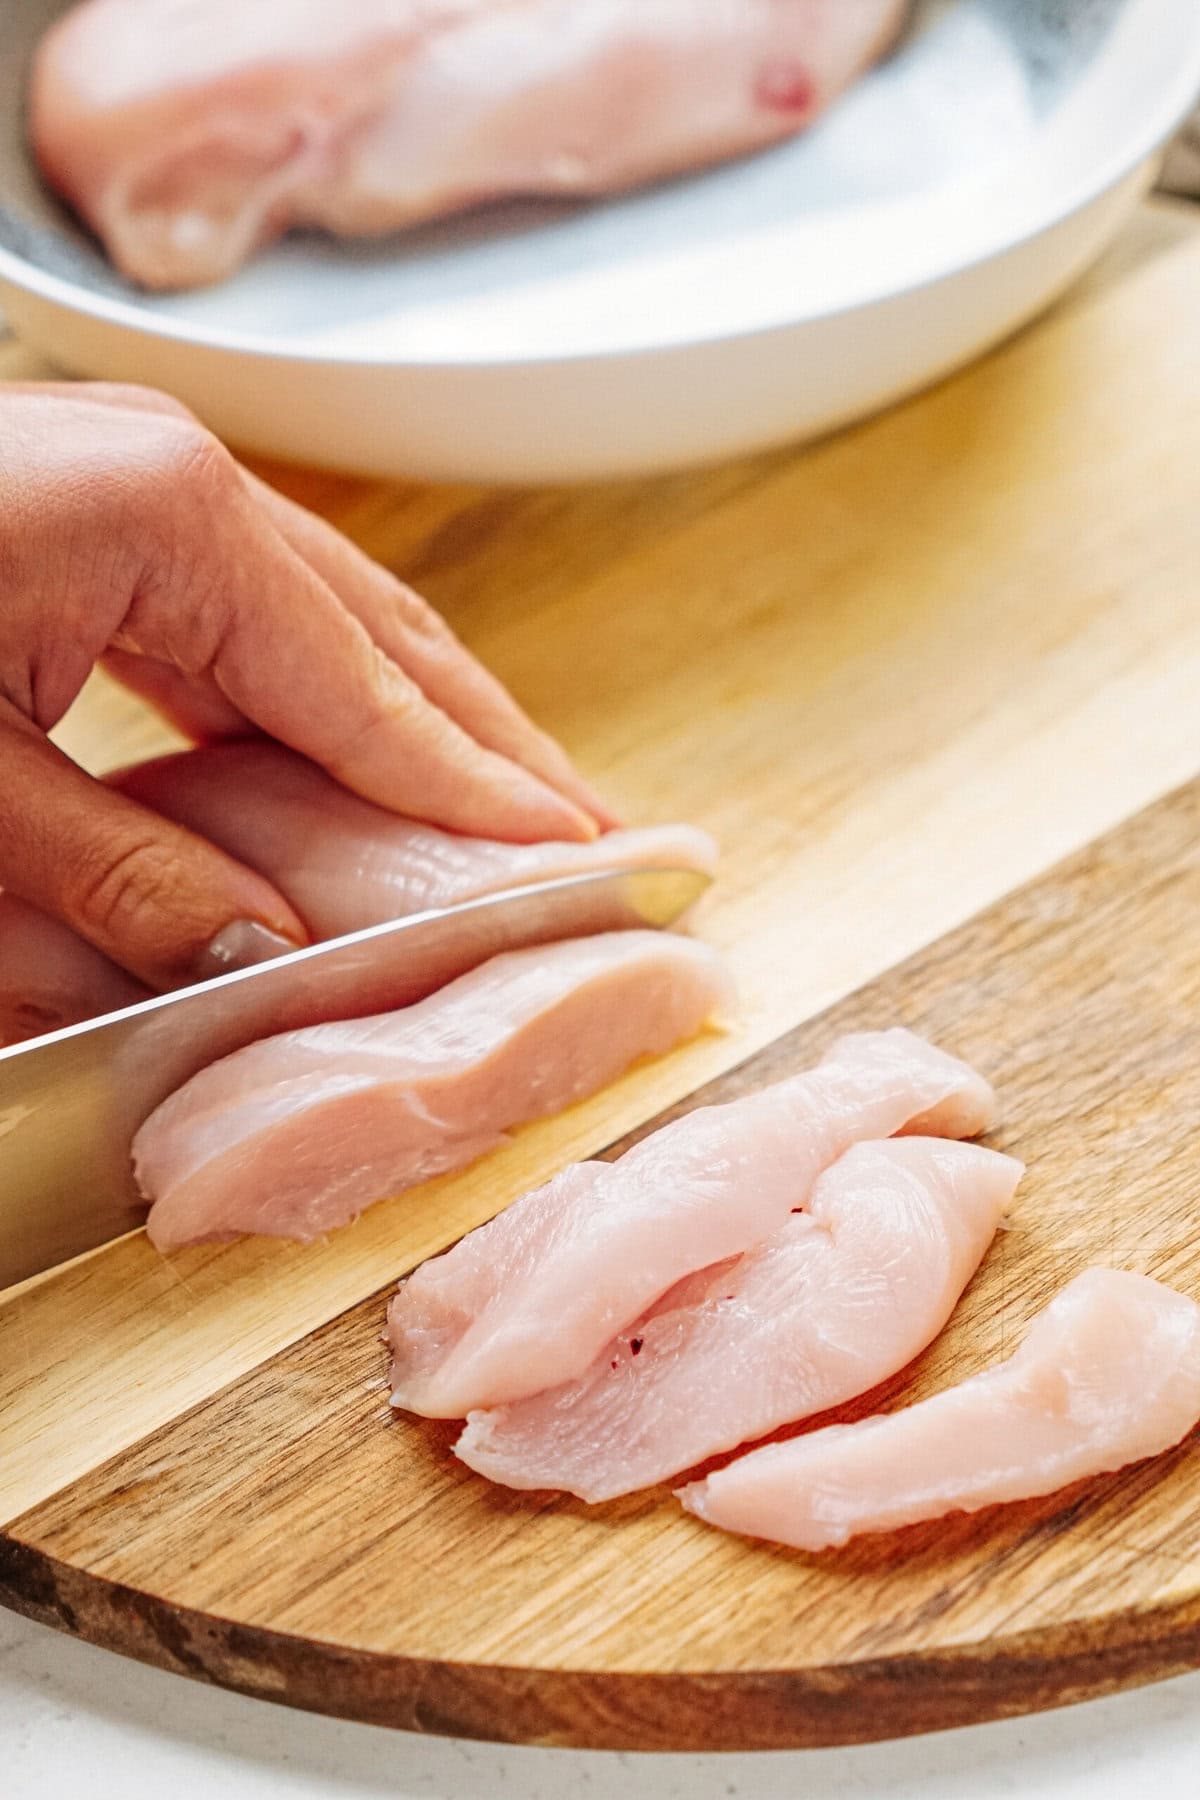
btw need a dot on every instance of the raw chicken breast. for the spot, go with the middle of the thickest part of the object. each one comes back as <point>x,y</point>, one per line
<point>1109,1373</point>
<point>344,863</point>
<point>50,978</point>
<point>529,1300</point>
<point>187,132</point>
<point>341,862</point>
<point>296,1134</point>
<point>844,1294</point>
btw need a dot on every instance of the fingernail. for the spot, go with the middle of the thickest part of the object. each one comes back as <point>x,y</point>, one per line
<point>605,817</point>
<point>596,808</point>
<point>239,946</point>
<point>565,777</point>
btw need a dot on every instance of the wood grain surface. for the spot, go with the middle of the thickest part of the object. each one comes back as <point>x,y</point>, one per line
<point>291,1538</point>
<point>897,673</point>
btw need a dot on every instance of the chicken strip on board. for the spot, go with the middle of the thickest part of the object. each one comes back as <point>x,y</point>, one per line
<point>529,1300</point>
<point>296,1134</point>
<point>848,1291</point>
<point>1109,1373</point>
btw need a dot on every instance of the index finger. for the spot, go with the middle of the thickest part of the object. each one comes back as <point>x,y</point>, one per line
<point>418,639</point>
<point>290,657</point>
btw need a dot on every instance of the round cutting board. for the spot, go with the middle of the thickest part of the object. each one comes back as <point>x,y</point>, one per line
<point>287,1537</point>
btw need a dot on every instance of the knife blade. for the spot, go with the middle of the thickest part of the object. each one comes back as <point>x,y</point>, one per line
<point>70,1102</point>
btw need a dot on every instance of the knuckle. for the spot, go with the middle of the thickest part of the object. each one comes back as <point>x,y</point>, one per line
<point>194,460</point>
<point>175,476</point>
<point>182,596</point>
<point>121,893</point>
<point>418,616</point>
<point>388,699</point>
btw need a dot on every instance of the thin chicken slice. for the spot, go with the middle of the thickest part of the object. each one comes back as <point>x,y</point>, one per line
<point>1108,1374</point>
<point>842,1296</point>
<point>529,1300</point>
<point>296,1134</point>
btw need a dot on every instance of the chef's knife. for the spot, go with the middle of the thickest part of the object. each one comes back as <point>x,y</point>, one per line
<point>71,1101</point>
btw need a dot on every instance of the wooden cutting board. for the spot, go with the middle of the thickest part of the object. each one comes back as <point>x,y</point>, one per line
<point>289,1538</point>
<point>897,674</point>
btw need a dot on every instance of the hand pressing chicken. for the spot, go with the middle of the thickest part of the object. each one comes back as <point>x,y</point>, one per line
<point>130,538</point>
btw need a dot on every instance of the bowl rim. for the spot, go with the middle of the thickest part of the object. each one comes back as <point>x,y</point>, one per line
<point>1147,134</point>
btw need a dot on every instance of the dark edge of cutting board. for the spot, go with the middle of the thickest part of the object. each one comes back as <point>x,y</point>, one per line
<point>583,1709</point>
<point>1090,948</point>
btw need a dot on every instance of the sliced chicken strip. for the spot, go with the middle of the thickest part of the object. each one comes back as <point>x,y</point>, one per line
<point>1108,1374</point>
<point>530,1299</point>
<point>847,1292</point>
<point>296,1134</point>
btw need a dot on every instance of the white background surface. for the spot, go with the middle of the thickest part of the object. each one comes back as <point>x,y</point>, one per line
<point>77,1721</point>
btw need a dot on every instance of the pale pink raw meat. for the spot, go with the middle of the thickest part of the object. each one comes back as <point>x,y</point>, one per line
<point>529,1300</point>
<point>298,1133</point>
<point>842,1296</point>
<point>50,978</point>
<point>342,862</point>
<point>188,132</point>
<point>1108,1374</point>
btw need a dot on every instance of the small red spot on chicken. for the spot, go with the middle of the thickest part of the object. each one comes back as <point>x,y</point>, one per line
<point>635,1345</point>
<point>786,87</point>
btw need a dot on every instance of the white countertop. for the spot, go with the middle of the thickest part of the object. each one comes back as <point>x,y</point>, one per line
<point>78,1720</point>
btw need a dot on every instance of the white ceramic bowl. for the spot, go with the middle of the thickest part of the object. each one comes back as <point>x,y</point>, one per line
<point>951,195</point>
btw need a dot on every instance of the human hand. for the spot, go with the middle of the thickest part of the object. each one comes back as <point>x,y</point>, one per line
<point>131,538</point>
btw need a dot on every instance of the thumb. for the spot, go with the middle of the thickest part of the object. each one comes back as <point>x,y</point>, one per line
<point>162,902</point>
